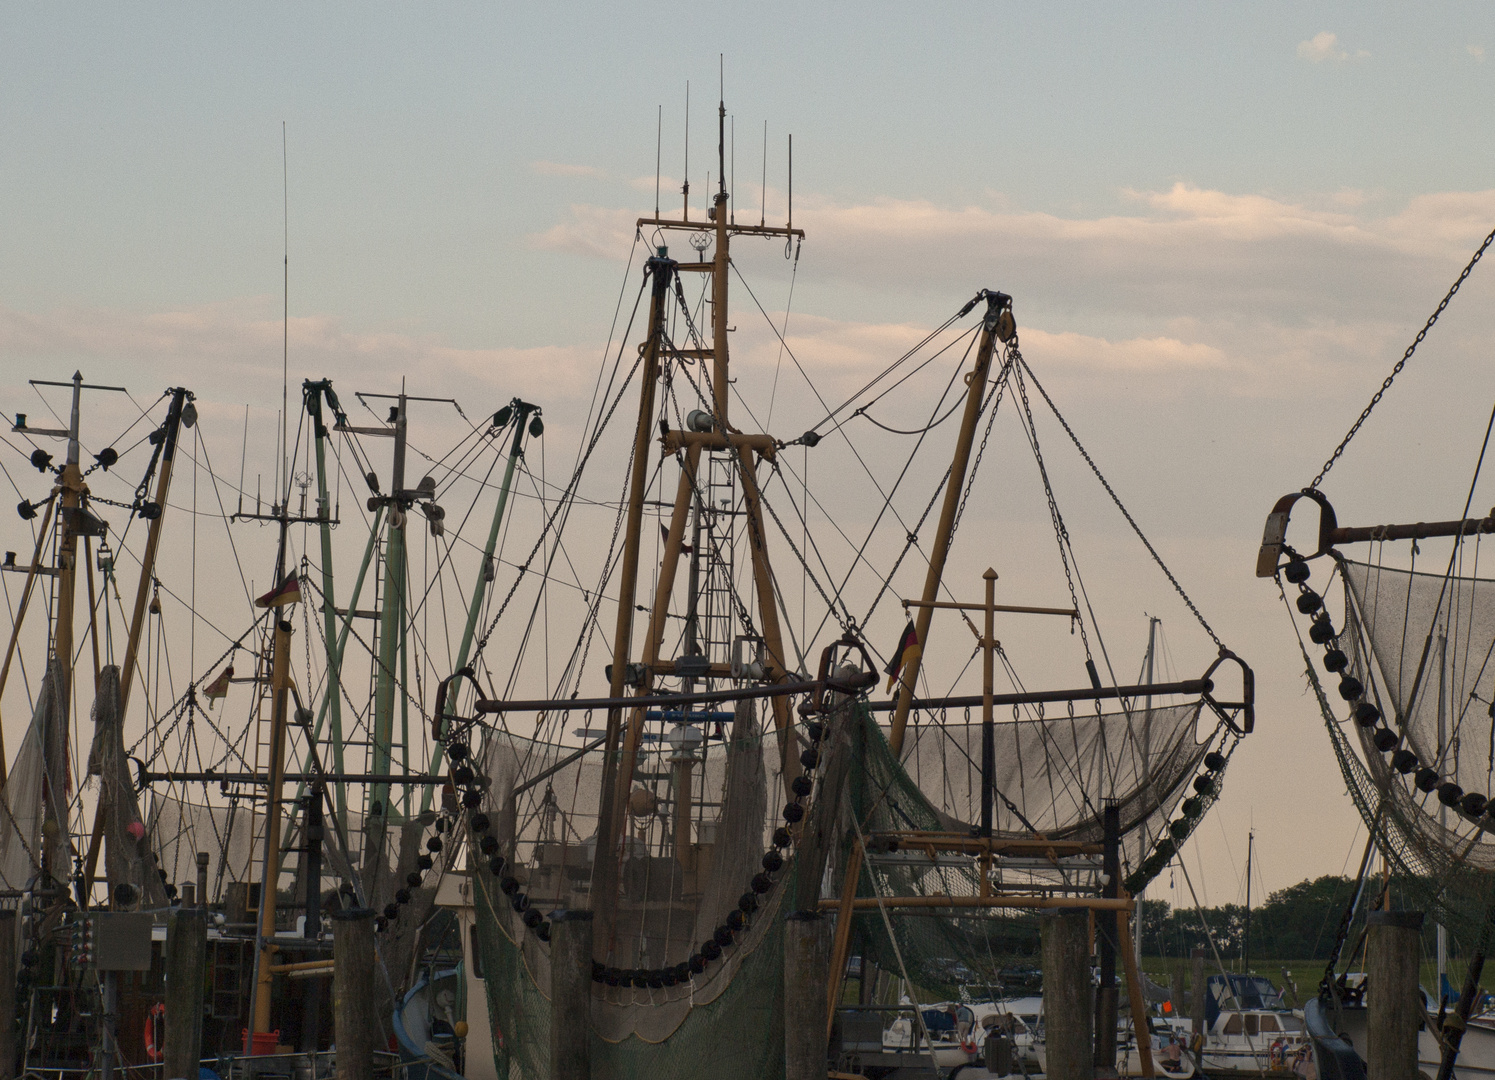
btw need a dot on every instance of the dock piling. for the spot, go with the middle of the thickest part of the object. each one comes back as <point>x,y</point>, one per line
<point>353,984</point>
<point>1069,1003</point>
<point>1393,951</point>
<point>570,995</point>
<point>7,993</point>
<point>807,953</point>
<point>186,961</point>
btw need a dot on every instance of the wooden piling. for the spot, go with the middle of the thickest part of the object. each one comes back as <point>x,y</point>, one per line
<point>807,951</point>
<point>570,995</point>
<point>202,879</point>
<point>353,975</point>
<point>186,962</point>
<point>1393,951</point>
<point>1068,1004</point>
<point>7,993</point>
<point>1176,994</point>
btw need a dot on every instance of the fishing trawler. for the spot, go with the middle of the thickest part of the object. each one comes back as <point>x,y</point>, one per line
<point>1405,693</point>
<point>731,785</point>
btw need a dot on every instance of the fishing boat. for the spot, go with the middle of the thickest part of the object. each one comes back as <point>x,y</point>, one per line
<point>707,779</point>
<point>1393,625</point>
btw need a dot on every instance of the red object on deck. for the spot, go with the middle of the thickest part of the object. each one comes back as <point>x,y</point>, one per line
<point>265,1042</point>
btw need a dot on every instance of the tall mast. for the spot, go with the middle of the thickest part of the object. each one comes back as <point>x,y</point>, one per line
<point>313,392</point>
<point>1442,808</point>
<point>993,328</point>
<point>1246,948</point>
<point>518,413</point>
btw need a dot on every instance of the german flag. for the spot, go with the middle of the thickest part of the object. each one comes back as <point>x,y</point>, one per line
<point>218,688</point>
<point>287,592</point>
<point>908,649</point>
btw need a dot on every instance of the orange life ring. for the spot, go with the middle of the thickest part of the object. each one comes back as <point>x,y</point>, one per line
<point>968,1045</point>
<point>157,1013</point>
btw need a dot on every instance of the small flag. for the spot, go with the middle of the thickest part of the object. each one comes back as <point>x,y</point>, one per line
<point>218,688</point>
<point>287,592</point>
<point>908,649</point>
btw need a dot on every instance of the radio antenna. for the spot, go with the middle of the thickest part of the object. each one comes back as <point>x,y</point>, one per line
<point>733,204</point>
<point>721,129</point>
<point>658,159</point>
<point>685,187</point>
<point>763,191</point>
<point>285,314</point>
<point>791,182</point>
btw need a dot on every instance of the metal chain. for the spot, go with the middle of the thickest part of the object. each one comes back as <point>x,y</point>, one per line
<point>1397,370</point>
<point>1061,534</point>
<point>1120,506</point>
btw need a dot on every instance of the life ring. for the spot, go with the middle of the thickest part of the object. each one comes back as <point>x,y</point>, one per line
<point>152,1018</point>
<point>968,1045</point>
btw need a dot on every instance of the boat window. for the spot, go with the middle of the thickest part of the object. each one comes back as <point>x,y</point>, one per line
<point>475,955</point>
<point>1269,1023</point>
<point>1232,1025</point>
<point>1251,1021</point>
<point>1291,1023</point>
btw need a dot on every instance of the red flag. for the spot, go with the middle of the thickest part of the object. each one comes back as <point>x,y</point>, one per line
<point>218,688</point>
<point>287,592</point>
<point>908,649</point>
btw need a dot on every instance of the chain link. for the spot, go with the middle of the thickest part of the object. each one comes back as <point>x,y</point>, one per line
<point>1397,370</point>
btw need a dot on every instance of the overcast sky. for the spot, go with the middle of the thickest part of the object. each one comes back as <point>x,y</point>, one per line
<point>1221,224</point>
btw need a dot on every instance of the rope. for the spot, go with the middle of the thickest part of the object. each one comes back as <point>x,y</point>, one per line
<point>1120,506</point>
<point>1397,370</point>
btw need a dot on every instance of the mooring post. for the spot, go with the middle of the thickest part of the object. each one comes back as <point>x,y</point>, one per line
<point>807,954</point>
<point>1068,1003</point>
<point>202,880</point>
<point>1394,1013</point>
<point>7,993</point>
<point>186,962</point>
<point>353,985</point>
<point>1176,994</point>
<point>1196,1005</point>
<point>570,995</point>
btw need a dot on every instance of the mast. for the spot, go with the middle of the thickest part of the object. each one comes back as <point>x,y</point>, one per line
<point>55,843</point>
<point>993,326</point>
<point>169,433</point>
<point>1246,947</point>
<point>518,413</point>
<point>265,945</point>
<point>312,393</point>
<point>1442,809</point>
<point>713,433</point>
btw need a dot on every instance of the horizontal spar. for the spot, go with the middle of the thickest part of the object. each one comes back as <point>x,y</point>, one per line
<point>1189,687</point>
<point>291,778</point>
<point>1099,903</point>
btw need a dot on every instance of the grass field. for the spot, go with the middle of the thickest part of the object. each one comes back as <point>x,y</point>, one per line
<point>1305,974</point>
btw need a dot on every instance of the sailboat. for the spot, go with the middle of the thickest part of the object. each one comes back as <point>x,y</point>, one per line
<point>720,782</point>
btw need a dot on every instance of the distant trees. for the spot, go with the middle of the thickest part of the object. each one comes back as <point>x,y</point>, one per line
<point>1299,922</point>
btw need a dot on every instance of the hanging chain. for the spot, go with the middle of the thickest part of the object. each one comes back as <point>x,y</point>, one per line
<point>1397,370</point>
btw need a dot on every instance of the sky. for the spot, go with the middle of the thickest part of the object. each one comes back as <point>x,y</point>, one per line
<point>1221,225</point>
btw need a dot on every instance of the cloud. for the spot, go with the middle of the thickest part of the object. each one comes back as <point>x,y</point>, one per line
<point>555,168</point>
<point>1478,52</point>
<point>1325,46</point>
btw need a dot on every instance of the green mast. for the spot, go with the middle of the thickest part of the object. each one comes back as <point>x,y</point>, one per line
<point>516,413</point>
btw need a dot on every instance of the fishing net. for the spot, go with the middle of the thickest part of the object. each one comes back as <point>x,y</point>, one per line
<point>1422,645</point>
<point>727,1023</point>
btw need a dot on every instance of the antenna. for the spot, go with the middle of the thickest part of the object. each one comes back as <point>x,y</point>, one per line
<point>721,131</point>
<point>791,182</point>
<point>658,159</point>
<point>734,170</point>
<point>685,187</point>
<point>243,454</point>
<point>763,208</point>
<point>285,341</point>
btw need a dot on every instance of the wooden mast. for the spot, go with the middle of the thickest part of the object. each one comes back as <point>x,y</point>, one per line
<point>993,327</point>
<point>623,742</point>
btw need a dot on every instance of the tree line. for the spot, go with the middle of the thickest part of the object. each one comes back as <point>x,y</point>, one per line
<point>1300,922</point>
